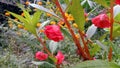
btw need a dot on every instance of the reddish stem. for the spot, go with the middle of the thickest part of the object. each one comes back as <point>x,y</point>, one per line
<point>45,48</point>
<point>85,44</point>
<point>111,28</point>
<point>111,19</point>
<point>110,54</point>
<point>71,31</point>
<point>58,66</point>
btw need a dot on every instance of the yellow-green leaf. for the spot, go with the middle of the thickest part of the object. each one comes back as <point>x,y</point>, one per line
<point>31,29</point>
<point>102,2</point>
<point>66,1</point>
<point>27,25</point>
<point>22,19</point>
<point>96,64</point>
<point>116,31</point>
<point>27,16</point>
<point>36,17</point>
<point>78,13</point>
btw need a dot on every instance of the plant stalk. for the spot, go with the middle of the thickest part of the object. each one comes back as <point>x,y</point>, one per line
<point>57,66</point>
<point>48,52</point>
<point>111,19</point>
<point>85,44</point>
<point>45,48</point>
<point>72,32</point>
<point>110,54</point>
<point>111,27</point>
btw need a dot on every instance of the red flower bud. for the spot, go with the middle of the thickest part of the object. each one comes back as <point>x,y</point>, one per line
<point>59,57</point>
<point>53,32</point>
<point>101,21</point>
<point>41,56</point>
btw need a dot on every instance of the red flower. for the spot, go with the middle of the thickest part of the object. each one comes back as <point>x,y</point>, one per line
<point>41,56</point>
<point>53,32</point>
<point>59,57</point>
<point>117,2</point>
<point>101,21</point>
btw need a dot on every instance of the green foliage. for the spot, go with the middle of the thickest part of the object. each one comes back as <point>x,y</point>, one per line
<point>116,31</point>
<point>27,16</point>
<point>30,22</point>
<point>36,17</point>
<point>78,13</point>
<point>66,1</point>
<point>117,17</point>
<point>22,19</point>
<point>116,49</point>
<point>66,33</point>
<point>102,2</point>
<point>43,64</point>
<point>95,49</point>
<point>96,64</point>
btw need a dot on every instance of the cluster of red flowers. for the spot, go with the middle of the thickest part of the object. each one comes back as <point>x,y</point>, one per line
<point>53,33</point>
<point>42,56</point>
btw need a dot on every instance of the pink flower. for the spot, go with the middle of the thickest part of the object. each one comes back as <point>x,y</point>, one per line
<point>85,14</point>
<point>53,32</point>
<point>59,57</point>
<point>41,56</point>
<point>117,2</point>
<point>101,21</point>
<point>94,58</point>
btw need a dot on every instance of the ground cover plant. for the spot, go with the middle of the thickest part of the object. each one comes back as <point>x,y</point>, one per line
<point>61,34</point>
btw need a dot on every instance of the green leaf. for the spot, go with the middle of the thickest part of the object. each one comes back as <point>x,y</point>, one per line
<point>27,16</point>
<point>78,13</point>
<point>43,64</point>
<point>66,33</point>
<point>53,58</point>
<point>27,25</point>
<point>36,17</point>
<point>96,64</point>
<point>66,1</point>
<point>102,2</point>
<point>22,19</point>
<point>31,29</point>
<point>94,49</point>
<point>102,45</point>
<point>116,31</point>
<point>103,36</point>
<point>117,17</point>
